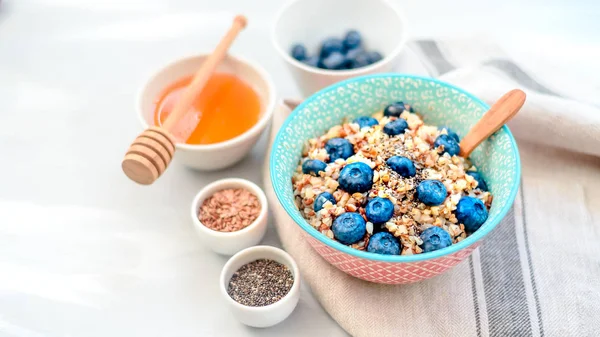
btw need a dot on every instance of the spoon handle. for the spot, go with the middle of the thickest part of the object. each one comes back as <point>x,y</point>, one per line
<point>501,112</point>
<point>194,89</point>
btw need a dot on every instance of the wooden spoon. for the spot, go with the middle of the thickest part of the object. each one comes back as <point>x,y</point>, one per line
<point>501,112</point>
<point>151,152</point>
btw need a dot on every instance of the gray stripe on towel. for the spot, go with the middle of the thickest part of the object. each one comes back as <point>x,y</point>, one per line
<point>506,300</point>
<point>518,75</point>
<point>433,53</point>
<point>538,308</point>
<point>414,48</point>
<point>475,302</point>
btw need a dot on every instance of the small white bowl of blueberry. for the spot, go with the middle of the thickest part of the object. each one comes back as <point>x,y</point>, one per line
<point>338,53</point>
<point>324,42</point>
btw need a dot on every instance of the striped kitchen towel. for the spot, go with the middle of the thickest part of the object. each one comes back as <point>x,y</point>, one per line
<point>538,273</point>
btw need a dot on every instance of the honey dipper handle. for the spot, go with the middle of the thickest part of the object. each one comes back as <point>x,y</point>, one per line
<point>192,91</point>
<point>501,112</point>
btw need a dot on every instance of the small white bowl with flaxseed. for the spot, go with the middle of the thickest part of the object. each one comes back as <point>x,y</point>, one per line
<point>230,215</point>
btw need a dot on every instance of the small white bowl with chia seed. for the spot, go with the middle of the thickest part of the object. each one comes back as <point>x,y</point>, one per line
<point>266,302</point>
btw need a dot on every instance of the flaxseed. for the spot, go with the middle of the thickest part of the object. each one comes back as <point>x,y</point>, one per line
<point>229,210</point>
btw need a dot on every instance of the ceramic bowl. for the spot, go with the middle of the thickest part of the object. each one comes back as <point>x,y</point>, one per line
<point>439,103</point>
<point>381,24</point>
<point>269,315</point>
<point>219,155</point>
<point>229,243</point>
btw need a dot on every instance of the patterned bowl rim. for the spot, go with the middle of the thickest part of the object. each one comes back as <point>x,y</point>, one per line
<point>473,238</point>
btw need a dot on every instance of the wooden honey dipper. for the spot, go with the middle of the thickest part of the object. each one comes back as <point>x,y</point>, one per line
<point>151,152</point>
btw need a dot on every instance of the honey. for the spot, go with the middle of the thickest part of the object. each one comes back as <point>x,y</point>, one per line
<point>226,108</point>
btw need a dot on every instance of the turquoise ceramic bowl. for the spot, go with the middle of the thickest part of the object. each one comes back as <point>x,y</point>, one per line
<point>439,103</point>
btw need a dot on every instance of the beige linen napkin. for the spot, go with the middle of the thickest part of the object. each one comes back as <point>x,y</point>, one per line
<point>537,273</point>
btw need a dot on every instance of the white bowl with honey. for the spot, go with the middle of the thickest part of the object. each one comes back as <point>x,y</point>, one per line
<point>227,118</point>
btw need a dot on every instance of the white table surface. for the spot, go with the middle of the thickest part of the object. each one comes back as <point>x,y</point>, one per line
<point>84,251</point>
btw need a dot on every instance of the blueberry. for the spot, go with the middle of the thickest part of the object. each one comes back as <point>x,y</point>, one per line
<point>313,166</point>
<point>322,199</point>
<point>480,182</point>
<point>334,61</point>
<point>471,212</point>
<point>435,238</point>
<point>451,146</point>
<point>384,243</point>
<point>352,40</point>
<point>349,228</point>
<point>366,121</point>
<point>451,133</point>
<point>402,165</point>
<point>331,45</point>
<point>395,127</point>
<point>299,52</point>
<point>361,59</point>
<point>356,177</point>
<point>351,55</point>
<point>431,192</point>
<point>312,61</point>
<point>394,109</point>
<point>374,57</point>
<point>379,210</point>
<point>339,148</point>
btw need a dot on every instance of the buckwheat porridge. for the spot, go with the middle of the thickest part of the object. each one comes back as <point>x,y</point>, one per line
<point>390,184</point>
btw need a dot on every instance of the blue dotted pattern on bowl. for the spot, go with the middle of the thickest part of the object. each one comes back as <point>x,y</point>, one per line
<point>439,103</point>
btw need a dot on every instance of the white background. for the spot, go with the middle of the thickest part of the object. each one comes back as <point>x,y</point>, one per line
<point>85,252</point>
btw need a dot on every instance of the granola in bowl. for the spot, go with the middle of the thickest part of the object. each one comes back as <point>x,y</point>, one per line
<point>390,184</point>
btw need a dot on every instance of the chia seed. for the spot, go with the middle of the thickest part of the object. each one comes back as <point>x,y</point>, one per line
<point>260,283</point>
